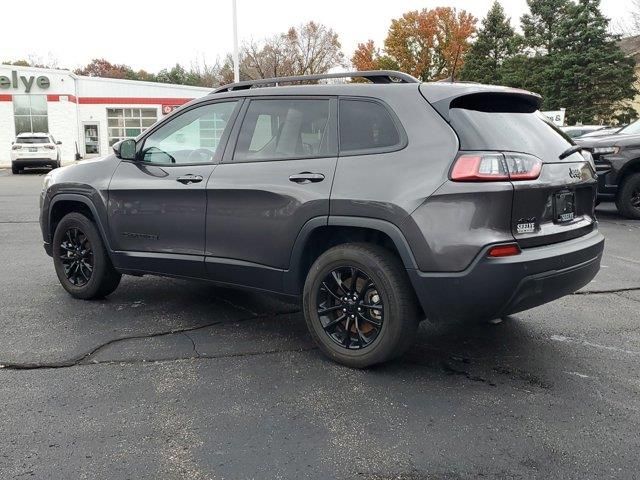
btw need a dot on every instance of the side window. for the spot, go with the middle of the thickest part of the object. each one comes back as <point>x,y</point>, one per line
<point>365,126</point>
<point>281,129</point>
<point>192,137</point>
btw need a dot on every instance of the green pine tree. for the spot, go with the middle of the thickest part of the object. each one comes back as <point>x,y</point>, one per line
<point>586,72</point>
<point>495,43</point>
<point>542,25</point>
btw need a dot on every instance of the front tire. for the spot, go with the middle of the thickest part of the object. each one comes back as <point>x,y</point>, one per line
<point>15,170</point>
<point>628,199</point>
<point>80,259</point>
<point>359,305</point>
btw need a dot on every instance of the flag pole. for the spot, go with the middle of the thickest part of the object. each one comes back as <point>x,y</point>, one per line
<point>236,60</point>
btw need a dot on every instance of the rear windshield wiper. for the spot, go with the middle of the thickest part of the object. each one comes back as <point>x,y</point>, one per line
<point>570,151</point>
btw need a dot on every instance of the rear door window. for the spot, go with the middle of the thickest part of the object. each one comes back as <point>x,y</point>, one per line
<point>367,126</point>
<point>281,129</point>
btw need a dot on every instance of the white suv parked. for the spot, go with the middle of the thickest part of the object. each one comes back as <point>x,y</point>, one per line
<point>34,150</point>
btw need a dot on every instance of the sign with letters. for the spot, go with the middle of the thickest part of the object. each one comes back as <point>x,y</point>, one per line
<point>556,116</point>
<point>23,82</point>
<point>167,109</point>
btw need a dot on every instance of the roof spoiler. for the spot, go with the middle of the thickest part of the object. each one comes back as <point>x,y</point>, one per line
<point>478,97</point>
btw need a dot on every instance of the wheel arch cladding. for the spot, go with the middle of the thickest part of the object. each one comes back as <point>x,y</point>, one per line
<point>63,204</point>
<point>317,237</point>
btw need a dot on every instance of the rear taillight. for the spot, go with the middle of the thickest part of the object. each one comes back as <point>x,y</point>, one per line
<point>506,250</point>
<point>494,167</point>
<point>49,147</point>
<point>16,147</point>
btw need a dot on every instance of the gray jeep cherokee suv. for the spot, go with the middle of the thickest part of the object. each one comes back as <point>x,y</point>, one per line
<point>378,204</point>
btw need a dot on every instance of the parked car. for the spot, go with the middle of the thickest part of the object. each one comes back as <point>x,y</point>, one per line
<point>34,150</point>
<point>603,132</point>
<point>579,130</point>
<point>617,160</point>
<point>376,205</point>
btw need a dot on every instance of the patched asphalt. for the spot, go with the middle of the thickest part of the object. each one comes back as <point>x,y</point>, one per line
<point>172,379</point>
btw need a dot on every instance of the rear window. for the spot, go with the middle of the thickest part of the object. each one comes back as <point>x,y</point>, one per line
<point>509,131</point>
<point>32,140</point>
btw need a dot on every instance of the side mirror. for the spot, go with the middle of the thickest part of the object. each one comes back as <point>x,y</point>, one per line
<point>58,142</point>
<point>125,149</point>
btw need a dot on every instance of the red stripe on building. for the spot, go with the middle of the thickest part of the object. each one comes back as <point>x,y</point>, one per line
<point>133,100</point>
<point>56,98</point>
<point>110,100</point>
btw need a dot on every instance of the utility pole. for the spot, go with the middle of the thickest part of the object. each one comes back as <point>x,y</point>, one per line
<point>236,56</point>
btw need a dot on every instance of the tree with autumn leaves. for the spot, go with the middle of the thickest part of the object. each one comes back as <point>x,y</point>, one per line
<point>428,44</point>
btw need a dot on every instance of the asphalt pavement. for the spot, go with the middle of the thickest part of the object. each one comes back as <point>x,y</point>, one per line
<point>169,379</point>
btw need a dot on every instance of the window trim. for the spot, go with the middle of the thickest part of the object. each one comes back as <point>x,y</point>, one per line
<point>124,117</point>
<point>30,115</point>
<point>332,128</point>
<point>401,145</point>
<point>224,139</point>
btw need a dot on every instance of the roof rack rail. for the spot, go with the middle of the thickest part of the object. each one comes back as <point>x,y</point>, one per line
<point>375,76</point>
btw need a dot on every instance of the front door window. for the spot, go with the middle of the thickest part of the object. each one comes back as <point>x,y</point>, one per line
<point>191,137</point>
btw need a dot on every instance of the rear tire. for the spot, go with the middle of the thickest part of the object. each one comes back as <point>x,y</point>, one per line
<point>81,260</point>
<point>628,199</point>
<point>15,170</point>
<point>380,312</point>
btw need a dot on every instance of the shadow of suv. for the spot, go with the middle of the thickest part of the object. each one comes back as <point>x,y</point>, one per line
<point>375,204</point>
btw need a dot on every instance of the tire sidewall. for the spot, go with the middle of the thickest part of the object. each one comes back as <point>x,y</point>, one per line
<point>387,340</point>
<point>86,226</point>
<point>628,186</point>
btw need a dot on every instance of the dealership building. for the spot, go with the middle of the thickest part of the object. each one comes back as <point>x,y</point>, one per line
<point>86,114</point>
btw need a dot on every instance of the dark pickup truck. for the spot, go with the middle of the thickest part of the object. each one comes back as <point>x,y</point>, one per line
<point>617,160</point>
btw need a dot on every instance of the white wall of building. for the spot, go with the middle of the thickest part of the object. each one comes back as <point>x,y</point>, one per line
<point>64,127</point>
<point>74,100</point>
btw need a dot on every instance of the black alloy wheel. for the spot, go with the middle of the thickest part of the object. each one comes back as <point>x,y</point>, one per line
<point>350,308</point>
<point>359,305</point>
<point>635,197</point>
<point>76,255</point>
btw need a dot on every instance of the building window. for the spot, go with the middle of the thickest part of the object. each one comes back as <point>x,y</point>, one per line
<point>30,113</point>
<point>129,122</point>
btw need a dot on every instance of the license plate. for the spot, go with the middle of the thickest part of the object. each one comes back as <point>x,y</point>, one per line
<point>33,149</point>
<point>564,207</point>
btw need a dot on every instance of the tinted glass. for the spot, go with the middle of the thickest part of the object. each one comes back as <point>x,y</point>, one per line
<point>192,137</point>
<point>516,132</point>
<point>32,140</point>
<point>366,125</point>
<point>38,104</point>
<point>39,124</point>
<point>21,105</point>
<point>281,129</point>
<point>631,129</point>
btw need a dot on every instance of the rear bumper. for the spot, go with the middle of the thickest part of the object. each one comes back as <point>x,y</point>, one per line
<point>33,162</point>
<point>494,287</point>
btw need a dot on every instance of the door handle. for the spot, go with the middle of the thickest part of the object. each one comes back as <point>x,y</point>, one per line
<point>307,177</point>
<point>189,179</point>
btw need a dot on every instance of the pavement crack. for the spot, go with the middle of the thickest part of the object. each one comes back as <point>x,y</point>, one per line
<point>450,370</point>
<point>193,343</point>
<point>84,358</point>
<point>17,221</point>
<point>605,291</point>
<point>255,353</point>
